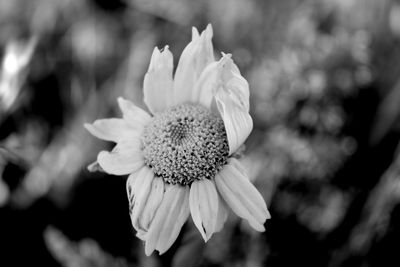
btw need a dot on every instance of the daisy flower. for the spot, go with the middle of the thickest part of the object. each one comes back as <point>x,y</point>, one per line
<point>180,157</point>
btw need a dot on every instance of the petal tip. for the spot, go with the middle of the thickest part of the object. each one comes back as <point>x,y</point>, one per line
<point>209,29</point>
<point>93,167</point>
<point>154,58</point>
<point>257,226</point>
<point>195,33</point>
<point>148,252</point>
<point>165,48</point>
<point>122,101</point>
<point>225,57</point>
<point>268,215</point>
<point>87,125</point>
<point>90,128</point>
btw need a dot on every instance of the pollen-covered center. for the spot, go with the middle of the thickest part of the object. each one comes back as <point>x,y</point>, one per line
<point>185,143</point>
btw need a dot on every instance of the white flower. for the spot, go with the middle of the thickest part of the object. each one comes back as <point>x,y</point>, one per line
<point>179,158</point>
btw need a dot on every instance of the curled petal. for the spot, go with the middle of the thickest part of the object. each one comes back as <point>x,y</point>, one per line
<point>222,75</point>
<point>134,116</point>
<point>112,129</point>
<point>203,202</point>
<point>139,185</point>
<point>241,195</point>
<point>158,83</point>
<point>221,81</point>
<point>168,220</point>
<point>235,83</point>
<point>237,121</point>
<point>153,202</point>
<point>125,158</point>
<point>195,57</point>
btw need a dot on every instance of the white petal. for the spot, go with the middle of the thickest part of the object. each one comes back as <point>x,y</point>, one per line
<point>222,214</point>
<point>237,121</point>
<point>206,86</point>
<point>168,220</point>
<point>153,202</point>
<point>158,84</point>
<point>241,195</point>
<point>111,129</point>
<point>195,57</point>
<point>222,75</point>
<point>125,158</point>
<point>138,188</point>
<point>203,202</point>
<point>134,116</point>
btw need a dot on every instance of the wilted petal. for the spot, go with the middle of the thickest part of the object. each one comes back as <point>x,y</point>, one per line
<point>241,195</point>
<point>125,158</point>
<point>158,84</point>
<point>134,116</point>
<point>139,185</point>
<point>195,57</point>
<point>203,202</point>
<point>168,220</point>
<point>112,129</point>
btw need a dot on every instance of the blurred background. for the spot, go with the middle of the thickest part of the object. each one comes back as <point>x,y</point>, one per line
<point>325,99</point>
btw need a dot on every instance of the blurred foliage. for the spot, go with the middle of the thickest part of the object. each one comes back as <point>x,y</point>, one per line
<point>324,95</point>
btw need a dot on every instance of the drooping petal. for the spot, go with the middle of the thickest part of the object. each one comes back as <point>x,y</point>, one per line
<point>125,158</point>
<point>203,202</point>
<point>241,195</point>
<point>158,83</point>
<point>169,219</point>
<point>134,116</point>
<point>139,185</point>
<point>111,129</point>
<point>195,57</point>
<point>222,214</point>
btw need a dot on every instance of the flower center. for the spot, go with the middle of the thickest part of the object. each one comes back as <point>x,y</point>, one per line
<point>185,143</point>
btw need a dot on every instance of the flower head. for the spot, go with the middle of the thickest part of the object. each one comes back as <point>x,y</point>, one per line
<point>179,159</point>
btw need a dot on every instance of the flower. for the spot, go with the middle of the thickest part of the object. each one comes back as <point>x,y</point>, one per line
<point>180,159</point>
